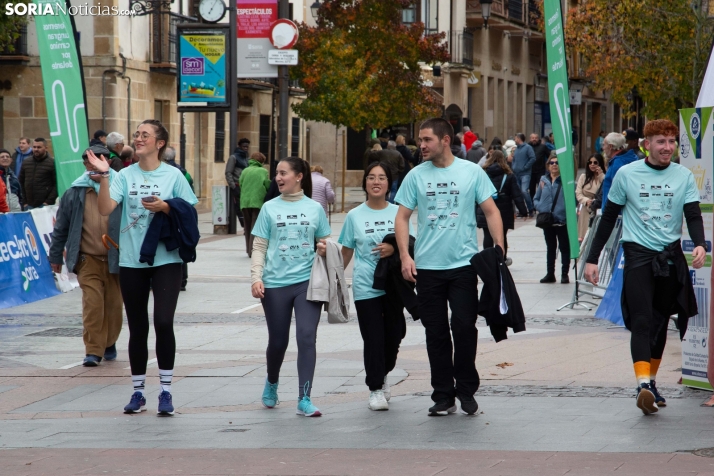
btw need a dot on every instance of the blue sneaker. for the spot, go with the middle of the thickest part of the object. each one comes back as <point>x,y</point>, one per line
<point>137,404</point>
<point>91,360</point>
<point>110,353</point>
<point>305,406</point>
<point>165,406</point>
<point>270,394</point>
<point>659,399</point>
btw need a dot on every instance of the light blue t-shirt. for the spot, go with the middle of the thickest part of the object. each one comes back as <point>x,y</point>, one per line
<point>653,202</point>
<point>128,187</point>
<point>363,230</point>
<point>446,198</point>
<point>291,229</point>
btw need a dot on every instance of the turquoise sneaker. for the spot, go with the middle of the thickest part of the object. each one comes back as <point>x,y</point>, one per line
<point>270,394</point>
<point>305,406</point>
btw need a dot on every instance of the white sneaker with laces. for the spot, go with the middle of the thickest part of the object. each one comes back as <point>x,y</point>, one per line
<point>385,388</point>
<point>377,402</point>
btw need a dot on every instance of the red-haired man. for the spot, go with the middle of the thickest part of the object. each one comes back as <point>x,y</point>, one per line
<point>653,195</point>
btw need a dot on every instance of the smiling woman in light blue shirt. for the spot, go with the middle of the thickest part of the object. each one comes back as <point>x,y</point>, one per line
<point>381,327</point>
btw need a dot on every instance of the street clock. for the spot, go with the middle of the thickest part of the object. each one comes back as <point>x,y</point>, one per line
<point>212,11</point>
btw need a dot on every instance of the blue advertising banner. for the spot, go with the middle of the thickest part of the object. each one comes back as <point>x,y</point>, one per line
<point>201,68</point>
<point>25,273</point>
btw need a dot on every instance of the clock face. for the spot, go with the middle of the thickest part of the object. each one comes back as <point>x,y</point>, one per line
<point>212,10</point>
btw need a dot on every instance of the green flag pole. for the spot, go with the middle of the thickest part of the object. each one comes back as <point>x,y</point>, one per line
<point>63,83</point>
<point>558,89</point>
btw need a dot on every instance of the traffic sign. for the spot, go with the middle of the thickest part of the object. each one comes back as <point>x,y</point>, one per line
<point>283,34</point>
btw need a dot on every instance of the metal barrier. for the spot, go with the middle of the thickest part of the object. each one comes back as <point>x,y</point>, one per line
<point>606,265</point>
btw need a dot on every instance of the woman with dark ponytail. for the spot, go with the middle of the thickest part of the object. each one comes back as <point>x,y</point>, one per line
<point>283,252</point>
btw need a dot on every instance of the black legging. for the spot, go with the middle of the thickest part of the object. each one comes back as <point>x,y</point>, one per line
<point>650,302</point>
<point>557,237</point>
<point>488,240</point>
<point>165,283</point>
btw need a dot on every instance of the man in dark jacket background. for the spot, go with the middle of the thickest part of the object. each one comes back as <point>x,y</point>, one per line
<point>394,159</point>
<point>38,178</point>
<point>523,160</point>
<point>234,167</point>
<point>541,157</point>
<point>79,229</point>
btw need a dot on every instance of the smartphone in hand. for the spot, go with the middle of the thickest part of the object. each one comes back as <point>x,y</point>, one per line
<point>149,199</point>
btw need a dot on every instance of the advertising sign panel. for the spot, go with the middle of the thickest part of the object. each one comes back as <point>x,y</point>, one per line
<point>696,152</point>
<point>201,68</point>
<point>560,114</point>
<point>255,18</point>
<point>25,273</point>
<point>64,93</point>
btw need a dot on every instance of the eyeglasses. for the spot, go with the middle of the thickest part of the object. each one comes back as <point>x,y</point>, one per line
<point>553,162</point>
<point>143,136</point>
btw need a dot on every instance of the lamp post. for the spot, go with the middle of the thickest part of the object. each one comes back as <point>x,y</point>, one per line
<point>486,11</point>
<point>314,8</point>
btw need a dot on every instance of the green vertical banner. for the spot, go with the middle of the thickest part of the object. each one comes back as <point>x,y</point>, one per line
<point>64,92</point>
<point>558,89</point>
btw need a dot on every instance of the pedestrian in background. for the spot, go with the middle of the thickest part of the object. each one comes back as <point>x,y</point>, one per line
<point>79,229</point>
<point>457,149</point>
<point>237,162</point>
<point>588,185</point>
<point>599,142</point>
<point>254,184</point>
<point>12,184</point>
<point>322,191</point>
<point>617,154</point>
<point>477,153</point>
<point>38,178</point>
<point>368,157</point>
<point>146,190</point>
<point>170,158</point>
<point>550,190</point>
<point>395,161</point>
<point>508,193</point>
<point>115,144</point>
<point>22,152</point>
<point>382,327</point>
<point>522,166</point>
<point>283,254</point>
<point>541,154</point>
<point>469,138</point>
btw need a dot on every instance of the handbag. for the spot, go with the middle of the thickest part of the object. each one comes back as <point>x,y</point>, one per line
<point>546,219</point>
<point>496,195</point>
<point>12,200</point>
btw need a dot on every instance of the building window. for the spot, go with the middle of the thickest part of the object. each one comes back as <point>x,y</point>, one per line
<point>159,110</point>
<point>220,137</point>
<point>431,16</point>
<point>295,141</point>
<point>409,14</point>
<point>264,141</point>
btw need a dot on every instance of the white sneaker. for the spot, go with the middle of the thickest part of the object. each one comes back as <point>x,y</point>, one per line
<point>377,402</point>
<point>386,390</point>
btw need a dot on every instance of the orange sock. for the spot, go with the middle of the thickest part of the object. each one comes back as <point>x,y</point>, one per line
<point>642,372</point>
<point>654,366</point>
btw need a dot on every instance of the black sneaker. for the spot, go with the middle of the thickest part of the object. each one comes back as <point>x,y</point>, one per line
<point>646,399</point>
<point>443,407</point>
<point>659,399</point>
<point>564,279</point>
<point>468,404</point>
<point>549,278</point>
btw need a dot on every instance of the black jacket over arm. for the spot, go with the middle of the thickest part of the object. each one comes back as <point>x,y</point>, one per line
<point>178,229</point>
<point>492,270</point>
<point>388,278</point>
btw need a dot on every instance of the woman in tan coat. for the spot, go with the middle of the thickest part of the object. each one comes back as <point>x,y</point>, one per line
<point>588,185</point>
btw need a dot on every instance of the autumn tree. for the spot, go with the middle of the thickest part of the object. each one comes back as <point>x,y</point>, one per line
<point>10,26</point>
<point>361,67</point>
<point>659,47</point>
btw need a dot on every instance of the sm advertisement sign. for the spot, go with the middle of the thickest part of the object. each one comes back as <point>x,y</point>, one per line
<point>201,68</point>
<point>25,274</point>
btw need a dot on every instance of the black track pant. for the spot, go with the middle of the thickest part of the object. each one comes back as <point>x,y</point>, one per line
<point>382,331</point>
<point>436,290</point>
<point>557,237</point>
<point>488,240</point>
<point>650,302</point>
<point>165,283</point>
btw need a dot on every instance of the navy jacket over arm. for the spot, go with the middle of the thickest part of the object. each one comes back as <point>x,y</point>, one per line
<point>178,229</point>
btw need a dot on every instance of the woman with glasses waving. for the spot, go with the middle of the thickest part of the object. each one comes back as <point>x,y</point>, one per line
<point>550,192</point>
<point>285,235</point>
<point>146,189</point>
<point>381,325</point>
<point>588,185</point>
